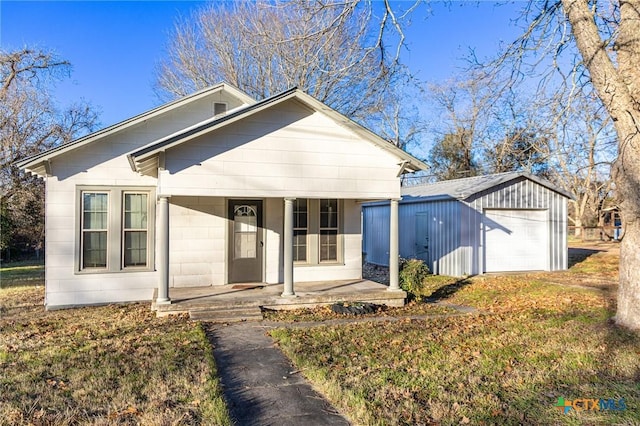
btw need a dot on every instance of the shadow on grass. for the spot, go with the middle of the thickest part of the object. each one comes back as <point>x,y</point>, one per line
<point>448,290</point>
<point>21,275</point>
<point>577,255</point>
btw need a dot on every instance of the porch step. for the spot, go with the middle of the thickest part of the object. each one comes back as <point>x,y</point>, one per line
<point>218,315</point>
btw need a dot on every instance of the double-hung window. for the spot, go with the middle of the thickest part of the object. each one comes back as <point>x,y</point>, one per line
<point>300,229</point>
<point>134,229</point>
<point>316,231</point>
<point>328,230</point>
<point>116,229</point>
<point>95,232</point>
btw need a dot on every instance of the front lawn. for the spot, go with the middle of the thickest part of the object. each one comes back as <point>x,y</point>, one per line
<point>21,273</point>
<point>540,337</point>
<point>324,313</point>
<point>102,365</point>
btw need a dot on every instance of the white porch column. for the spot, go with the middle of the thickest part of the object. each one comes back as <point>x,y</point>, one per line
<point>163,250</point>
<point>394,252</point>
<point>288,248</point>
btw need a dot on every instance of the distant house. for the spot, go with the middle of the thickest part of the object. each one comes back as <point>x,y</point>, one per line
<point>610,223</point>
<point>495,223</point>
<point>211,189</point>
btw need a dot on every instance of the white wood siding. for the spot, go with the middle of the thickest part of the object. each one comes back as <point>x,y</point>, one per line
<point>198,241</point>
<point>351,267</point>
<point>284,151</point>
<point>273,221</point>
<point>103,163</point>
<point>64,285</point>
<point>289,151</point>
<point>197,238</point>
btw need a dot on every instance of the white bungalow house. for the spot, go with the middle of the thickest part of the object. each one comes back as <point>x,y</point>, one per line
<point>211,189</point>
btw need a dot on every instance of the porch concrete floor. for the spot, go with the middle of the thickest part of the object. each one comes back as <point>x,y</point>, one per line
<point>308,294</point>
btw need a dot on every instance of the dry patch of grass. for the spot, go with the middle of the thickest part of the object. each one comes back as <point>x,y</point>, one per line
<point>436,286</point>
<point>528,293</point>
<point>537,342</point>
<point>103,365</point>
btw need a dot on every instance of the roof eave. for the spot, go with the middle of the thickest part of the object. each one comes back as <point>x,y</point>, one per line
<point>168,142</point>
<point>526,175</point>
<point>33,160</point>
<point>465,193</point>
<point>409,163</point>
<point>412,164</point>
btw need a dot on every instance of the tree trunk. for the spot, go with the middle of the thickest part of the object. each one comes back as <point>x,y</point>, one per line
<point>627,179</point>
<point>577,230</point>
<point>624,107</point>
<point>628,313</point>
<point>618,86</point>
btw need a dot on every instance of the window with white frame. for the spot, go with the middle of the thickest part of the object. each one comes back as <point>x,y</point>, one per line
<point>116,229</point>
<point>300,229</point>
<point>317,235</point>
<point>95,210</point>
<point>328,231</point>
<point>134,229</point>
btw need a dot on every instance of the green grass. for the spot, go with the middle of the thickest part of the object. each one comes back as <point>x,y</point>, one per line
<point>114,364</point>
<point>535,342</point>
<point>21,273</point>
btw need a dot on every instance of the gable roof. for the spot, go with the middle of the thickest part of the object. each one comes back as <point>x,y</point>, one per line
<point>39,162</point>
<point>145,159</point>
<point>460,189</point>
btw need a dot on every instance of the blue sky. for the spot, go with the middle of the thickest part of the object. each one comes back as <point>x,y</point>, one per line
<point>115,46</point>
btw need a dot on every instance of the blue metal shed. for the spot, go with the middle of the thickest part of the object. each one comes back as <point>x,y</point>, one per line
<point>495,223</point>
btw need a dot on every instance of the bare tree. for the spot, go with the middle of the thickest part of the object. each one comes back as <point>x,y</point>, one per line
<point>577,43</point>
<point>584,148</point>
<point>520,149</point>
<point>462,106</point>
<point>331,50</point>
<point>30,123</point>
<point>582,42</point>
<point>518,133</point>
<point>452,157</point>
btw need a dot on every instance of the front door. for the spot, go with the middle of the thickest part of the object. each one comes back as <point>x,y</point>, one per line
<point>245,241</point>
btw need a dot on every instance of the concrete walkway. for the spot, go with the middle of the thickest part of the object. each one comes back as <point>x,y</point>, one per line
<point>260,384</point>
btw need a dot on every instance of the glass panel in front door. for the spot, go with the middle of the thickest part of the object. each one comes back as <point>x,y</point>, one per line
<point>245,230</point>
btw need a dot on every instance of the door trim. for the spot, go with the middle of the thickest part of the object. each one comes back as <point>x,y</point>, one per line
<point>229,247</point>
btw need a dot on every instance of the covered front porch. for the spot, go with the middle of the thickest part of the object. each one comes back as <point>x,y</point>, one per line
<point>214,231</point>
<point>271,195</point>
<point>245,301</point>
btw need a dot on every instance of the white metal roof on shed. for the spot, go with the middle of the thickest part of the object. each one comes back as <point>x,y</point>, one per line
<point>460,189</point>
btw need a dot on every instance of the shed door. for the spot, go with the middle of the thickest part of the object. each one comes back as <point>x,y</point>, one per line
<point>422,237</point>
<point>245,241</point>
<point>516,240</point>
